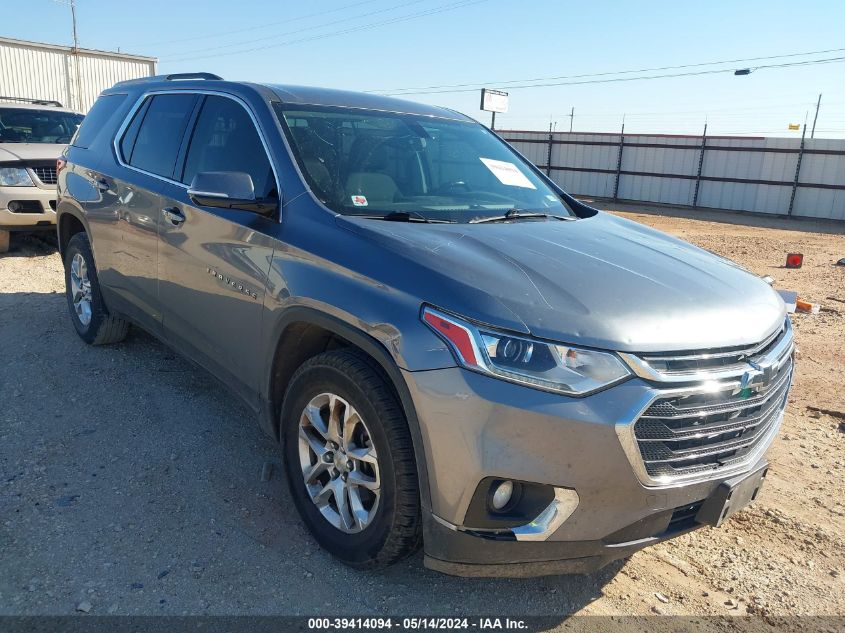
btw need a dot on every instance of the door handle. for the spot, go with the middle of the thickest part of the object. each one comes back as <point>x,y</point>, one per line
<point>173,214</point>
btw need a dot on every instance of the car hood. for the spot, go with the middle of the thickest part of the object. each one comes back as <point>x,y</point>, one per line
<point>30,151</point>
<point>602,281</point>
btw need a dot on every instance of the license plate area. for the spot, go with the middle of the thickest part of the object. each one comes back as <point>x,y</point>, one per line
<point>731,496</point>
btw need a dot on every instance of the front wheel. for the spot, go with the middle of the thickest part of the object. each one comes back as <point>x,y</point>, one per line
<point>88,313</point>
<point>350,460</point>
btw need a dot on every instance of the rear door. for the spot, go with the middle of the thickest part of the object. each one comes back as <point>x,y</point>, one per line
<point>127,217</point>
<point>213,263</point>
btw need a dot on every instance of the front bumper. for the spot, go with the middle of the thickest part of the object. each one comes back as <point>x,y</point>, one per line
<point>37,206</point>
<point>475,427</point>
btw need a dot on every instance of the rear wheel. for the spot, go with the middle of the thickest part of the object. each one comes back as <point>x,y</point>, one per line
<point>88,313</point>
<point>350,461</point>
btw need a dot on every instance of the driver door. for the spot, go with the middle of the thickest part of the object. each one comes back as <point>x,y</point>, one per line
<point>213,263</point>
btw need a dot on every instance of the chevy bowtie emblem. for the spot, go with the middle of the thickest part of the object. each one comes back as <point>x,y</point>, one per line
<point>756,371</point>
<point>750,376</point>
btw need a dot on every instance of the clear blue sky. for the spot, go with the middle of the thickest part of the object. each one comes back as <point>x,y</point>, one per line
<point>494,42</point>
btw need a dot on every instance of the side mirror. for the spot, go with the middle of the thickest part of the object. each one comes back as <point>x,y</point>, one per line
<point>228,190</point>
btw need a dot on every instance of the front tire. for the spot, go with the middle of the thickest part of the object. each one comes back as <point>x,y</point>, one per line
<point>89,315</point>
<point>350,460</point>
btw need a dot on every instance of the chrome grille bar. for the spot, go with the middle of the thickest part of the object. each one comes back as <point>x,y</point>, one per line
<point>710,422</point>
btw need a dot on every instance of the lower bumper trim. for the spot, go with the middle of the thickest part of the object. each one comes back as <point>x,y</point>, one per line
<point>517,570</point>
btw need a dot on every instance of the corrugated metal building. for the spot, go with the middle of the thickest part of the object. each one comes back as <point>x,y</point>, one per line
<point>74,77</point>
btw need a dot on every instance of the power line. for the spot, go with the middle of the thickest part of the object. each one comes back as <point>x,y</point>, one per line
<point>505,84</point>
<point>307,28</point>
<point>364,27</point>
<point>265,25</point>
<point>830,60</point>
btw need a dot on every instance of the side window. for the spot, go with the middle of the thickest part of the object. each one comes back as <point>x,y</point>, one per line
<point>225,139</point>
<point>153,144</point>
<point>131,133</point>
<point>96,119</point>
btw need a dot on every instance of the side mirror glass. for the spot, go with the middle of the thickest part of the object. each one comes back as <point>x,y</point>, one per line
<point>228,190</point>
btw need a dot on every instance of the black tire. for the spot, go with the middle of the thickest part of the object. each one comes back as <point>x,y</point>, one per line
<point>103,328</point>
<point>396,528</point>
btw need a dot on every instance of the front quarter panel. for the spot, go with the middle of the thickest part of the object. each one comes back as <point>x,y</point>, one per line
<point>314,267</point>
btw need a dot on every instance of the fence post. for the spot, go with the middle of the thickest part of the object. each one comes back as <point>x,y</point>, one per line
<point>797,171</point>
<point>619,162</point>
<point>549,157</point>
<point>700,166</point>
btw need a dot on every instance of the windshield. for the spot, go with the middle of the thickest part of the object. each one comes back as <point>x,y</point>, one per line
<point>27,125</point>
<point>364,162</point>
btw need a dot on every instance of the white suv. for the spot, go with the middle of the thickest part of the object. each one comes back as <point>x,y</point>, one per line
<point>33,134</point>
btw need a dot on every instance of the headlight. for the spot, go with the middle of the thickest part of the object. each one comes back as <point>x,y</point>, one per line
<point>15,177</point>
<point>564,369</point>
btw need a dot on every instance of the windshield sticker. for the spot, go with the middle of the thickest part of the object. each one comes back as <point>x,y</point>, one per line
<point>507,173</point>
<point>359,201</point>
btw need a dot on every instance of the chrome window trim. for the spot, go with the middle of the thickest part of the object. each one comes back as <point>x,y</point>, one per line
<point>193,91</point>
<point>208,194</point>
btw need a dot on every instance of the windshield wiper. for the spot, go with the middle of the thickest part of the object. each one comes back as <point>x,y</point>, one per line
<point>408,216</point>
<point>516,214</point>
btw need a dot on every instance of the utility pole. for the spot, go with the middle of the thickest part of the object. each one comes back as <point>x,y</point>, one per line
<point>571,119</point>
<point>73,17</point>
<point>74,51</point>
<point>816,118</point>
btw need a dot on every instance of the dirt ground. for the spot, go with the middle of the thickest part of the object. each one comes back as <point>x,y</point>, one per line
<point>130,482</point>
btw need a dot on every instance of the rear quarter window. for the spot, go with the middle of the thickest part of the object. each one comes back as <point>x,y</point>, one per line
<point>97,120</point>
<point>151,142</point>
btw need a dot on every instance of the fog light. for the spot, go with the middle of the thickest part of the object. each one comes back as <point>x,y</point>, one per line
<point>14,206</point>
<point>502,495</point>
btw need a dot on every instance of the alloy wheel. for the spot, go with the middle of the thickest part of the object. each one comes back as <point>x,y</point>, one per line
<point>80,288</point>
<point>339,463</point>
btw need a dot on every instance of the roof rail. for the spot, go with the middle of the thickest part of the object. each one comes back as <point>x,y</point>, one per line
<point>193,76</point>
<point>49,102</point>
<point>171,77</point>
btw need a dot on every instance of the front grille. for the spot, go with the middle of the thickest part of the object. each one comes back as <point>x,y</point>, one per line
<point>713,359</point>
<point>681,435</point>
<point>46,174</point>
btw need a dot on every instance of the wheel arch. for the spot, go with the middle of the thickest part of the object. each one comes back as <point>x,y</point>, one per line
<point>303,332</point>
<point>68,224</point>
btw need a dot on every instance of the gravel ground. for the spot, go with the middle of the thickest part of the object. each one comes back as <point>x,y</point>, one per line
<point>130,482</point>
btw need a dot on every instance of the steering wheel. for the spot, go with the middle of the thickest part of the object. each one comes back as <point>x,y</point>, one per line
<point>449,187</point>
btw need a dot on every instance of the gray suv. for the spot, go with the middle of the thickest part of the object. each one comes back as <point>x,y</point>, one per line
<point>449,348</point>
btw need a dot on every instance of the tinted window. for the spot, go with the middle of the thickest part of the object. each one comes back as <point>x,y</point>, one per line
<point>30,125</point>
<point>160,134</point>
<point>225,139</point>
<point>96,120</point>
<point>128,140</point>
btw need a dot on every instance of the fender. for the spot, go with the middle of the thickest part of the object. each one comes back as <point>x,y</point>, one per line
<point>301,314</point>
<point>68,208</point>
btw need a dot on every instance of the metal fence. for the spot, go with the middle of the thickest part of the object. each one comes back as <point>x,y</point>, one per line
<point>782,176</point>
